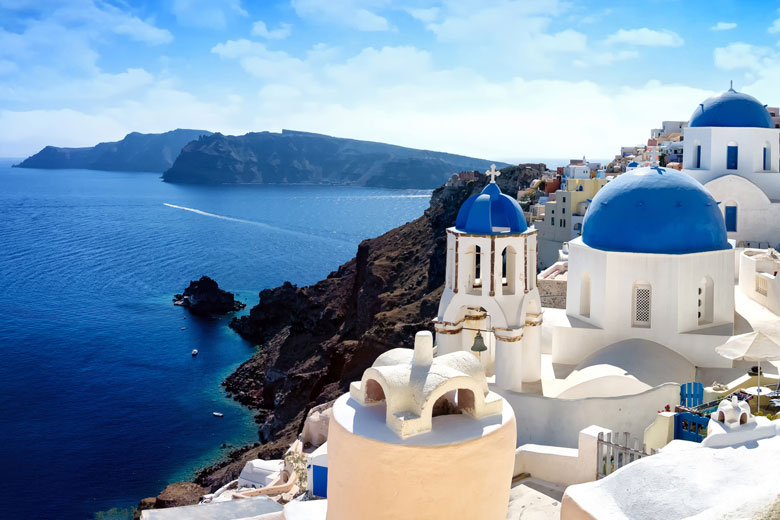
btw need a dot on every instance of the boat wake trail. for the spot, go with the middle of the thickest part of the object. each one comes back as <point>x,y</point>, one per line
<point>258,224</point>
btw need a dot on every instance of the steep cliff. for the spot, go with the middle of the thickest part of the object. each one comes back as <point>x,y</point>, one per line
<point>135,153</point>
<point>314,340</point>
<point>302,157</point>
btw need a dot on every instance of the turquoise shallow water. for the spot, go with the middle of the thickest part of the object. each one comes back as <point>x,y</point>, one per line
<point>102,402</point>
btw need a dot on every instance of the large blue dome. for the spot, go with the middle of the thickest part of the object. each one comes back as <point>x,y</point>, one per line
<point>654,210</point>
<point>490,213</point>
<point>731,108</point>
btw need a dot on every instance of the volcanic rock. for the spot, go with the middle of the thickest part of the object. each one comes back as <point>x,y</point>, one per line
<point>204,297</point>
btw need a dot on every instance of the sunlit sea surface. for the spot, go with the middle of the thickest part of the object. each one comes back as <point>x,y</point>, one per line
<point>102,403</point>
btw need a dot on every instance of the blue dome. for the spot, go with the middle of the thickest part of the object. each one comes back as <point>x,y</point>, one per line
<point>654,210</point>
<point>633,164</point>
<point>490,213</point>
<point>731,108</point>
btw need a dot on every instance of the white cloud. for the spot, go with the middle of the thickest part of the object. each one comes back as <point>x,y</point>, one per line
<point>260,29</point>
<point>357,14</point>
<point>424,15</point>
<point>509,35</point>
<point>210,14</point>
<point>232,49</point>
<point>95,16</point>
<point>775,27</point>
<point>256,59</point>
<point>603,59</point>
<point>742,56</point>
<point>645,37</point>
<point>723,26</point>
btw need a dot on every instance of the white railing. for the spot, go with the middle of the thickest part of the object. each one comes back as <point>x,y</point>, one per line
<point>762,284</point>
<point>613,455</point>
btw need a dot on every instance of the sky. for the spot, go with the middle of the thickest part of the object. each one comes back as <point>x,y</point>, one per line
<point>499,79</point>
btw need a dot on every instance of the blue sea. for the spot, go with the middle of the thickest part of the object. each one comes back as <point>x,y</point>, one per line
<point>102,403</point>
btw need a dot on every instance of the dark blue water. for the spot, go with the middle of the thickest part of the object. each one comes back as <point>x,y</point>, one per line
<point>102,403</point>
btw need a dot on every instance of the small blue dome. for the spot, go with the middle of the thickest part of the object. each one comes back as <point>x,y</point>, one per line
<point>733,109</point>
<point>490,213</point>
<point>633,164</point>
<point>654,210</point>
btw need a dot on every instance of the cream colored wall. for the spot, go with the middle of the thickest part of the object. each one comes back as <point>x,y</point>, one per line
<point>370,479</point>
<point>660,432</point>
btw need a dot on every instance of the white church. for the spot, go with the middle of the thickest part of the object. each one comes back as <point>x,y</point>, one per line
<point>650,295</point>
<point>731,147</point>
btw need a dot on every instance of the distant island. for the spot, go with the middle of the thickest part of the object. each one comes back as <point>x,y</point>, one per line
<point>293,157</point>
<point>289,157</point>
<point>135,153</point>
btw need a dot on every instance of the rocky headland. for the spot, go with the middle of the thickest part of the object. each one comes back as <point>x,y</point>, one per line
<point>293,157</point>
<point>135,153</point>
<point>204,297</point>
<point>313,341</point>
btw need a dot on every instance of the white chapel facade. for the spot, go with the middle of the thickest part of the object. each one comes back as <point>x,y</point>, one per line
<point>733,148</point>
<point>490,289</point>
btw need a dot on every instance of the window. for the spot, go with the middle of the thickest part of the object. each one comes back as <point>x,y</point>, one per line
<point>508,270</point>
<point>705,295</point>
<point>731,217</point>
<point>564,200</point>
<point>585,295</point>
<point>553,221</point>
<point>697,163</point>
<point>477,274</point>
<point>564,210</point>
<point>766,158</point>
<point>503,267</point>
<point>732,157</point>
<point>641,306</point>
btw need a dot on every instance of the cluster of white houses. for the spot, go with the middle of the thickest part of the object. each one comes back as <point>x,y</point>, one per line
<point>657,280</point>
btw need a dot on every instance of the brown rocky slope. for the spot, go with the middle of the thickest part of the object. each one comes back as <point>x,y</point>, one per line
<point>314,340</point>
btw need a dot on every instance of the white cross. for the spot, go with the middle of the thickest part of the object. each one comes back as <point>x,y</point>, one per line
<point>493,173</point>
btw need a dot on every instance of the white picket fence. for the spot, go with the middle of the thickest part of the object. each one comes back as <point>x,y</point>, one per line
<point>613,454</point>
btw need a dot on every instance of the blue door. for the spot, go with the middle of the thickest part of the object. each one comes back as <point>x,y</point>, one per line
<point>320,481</point>
<point>731,218</point>
<point>690,427</point>
<point>731,158</point>
<point>691,394</point>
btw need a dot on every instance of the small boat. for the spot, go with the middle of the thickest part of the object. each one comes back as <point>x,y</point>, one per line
<point>184,328</point>
<point>218,414</point>
<point>194,352</point>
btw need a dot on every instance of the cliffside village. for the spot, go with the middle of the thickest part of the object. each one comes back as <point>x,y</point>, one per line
<point>606,346</point>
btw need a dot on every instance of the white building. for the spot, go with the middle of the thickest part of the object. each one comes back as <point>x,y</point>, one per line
<point>490,289</point>
<point>653,266</point>
<point>731,147</point>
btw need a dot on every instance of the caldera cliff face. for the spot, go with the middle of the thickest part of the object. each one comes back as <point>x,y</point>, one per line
<point>313,341</point>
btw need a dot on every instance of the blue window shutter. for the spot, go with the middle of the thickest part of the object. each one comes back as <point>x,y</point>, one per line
<point>698,156</point>
<point>731,218</point>
<point>731,158</point>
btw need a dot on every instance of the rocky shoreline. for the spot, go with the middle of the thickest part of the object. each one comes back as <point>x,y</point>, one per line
<point>313,341</point>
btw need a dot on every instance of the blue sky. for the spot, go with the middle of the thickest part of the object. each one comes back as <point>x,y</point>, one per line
<point>501,79</point>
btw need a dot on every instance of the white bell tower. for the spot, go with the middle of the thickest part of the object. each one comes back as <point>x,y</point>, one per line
<point>490,289</point>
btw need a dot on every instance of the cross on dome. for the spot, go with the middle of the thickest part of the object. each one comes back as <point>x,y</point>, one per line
<point>493,173</point>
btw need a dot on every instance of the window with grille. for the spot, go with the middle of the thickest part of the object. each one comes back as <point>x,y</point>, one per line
<point>641,306</point>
